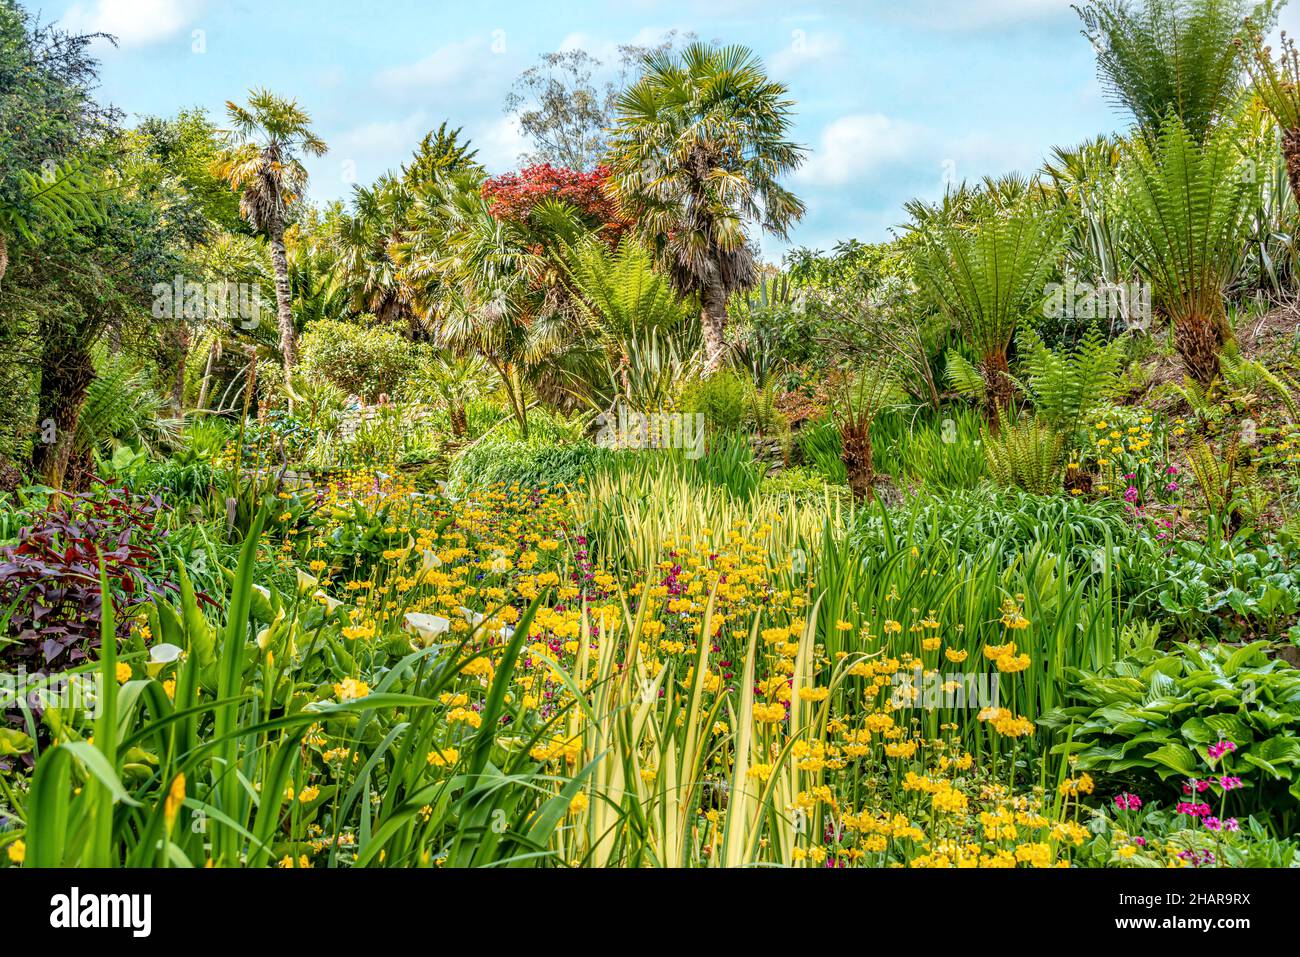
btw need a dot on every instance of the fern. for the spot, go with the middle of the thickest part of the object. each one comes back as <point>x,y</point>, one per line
<point>59,200</point>
<point>1253,376</point>
<point>1222,478</point>
<point>1026,455</point>
<point>1202,400</point>
<point>123,408</point>
<point>1067,385</point>
<point>962,377</point>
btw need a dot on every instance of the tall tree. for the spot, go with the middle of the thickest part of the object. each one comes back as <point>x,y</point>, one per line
<point>262,164</point>
<point>1277,84</point>
<point>566,103</point>
<point>442,151</point>
<point>699,147</point>
<point>489,285</point>
<point>48,120</point>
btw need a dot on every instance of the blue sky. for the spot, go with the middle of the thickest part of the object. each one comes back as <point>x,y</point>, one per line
<point>893,95</point>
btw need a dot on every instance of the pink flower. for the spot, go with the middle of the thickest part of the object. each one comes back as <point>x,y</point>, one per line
<point>1194,810</point>
<point>1228,783</point>
<point>1127,802</point>
<point>1131,495</point>
<point>1216,751</point>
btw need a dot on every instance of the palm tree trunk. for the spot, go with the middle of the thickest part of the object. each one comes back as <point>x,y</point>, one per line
<point>283,310</point>
<point>1291,152</point>
<point>183,347</point>
<point>207,375</point>
<point>4,256</point>
<point>713,320</point>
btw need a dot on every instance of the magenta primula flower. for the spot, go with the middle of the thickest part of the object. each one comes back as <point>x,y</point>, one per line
<point>1217,751</point>
<point>1127,802</point>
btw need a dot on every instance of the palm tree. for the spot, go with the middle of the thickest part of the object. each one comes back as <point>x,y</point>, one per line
<point>987,278</point>
<point>1082,180</point>
<point>1188,207</point>
<point>456,381</point>
<point>362,239</point>
<point>1172,55</point>
<point>262,164</point>
<point>699,145</point>
<point>488,284</point>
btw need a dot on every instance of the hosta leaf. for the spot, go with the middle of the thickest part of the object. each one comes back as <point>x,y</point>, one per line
<point>1177,758</point>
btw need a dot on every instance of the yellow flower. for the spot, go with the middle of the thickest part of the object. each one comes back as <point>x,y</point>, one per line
<point>175,798</point>
<point>18,852</point>
<point>123,672</point>
<point>349,689</point>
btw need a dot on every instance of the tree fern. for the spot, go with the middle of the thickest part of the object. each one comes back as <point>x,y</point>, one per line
<point>1176,56</point>
<point>1187,213</point>
<point>123,408</point>
<point>989,278</point>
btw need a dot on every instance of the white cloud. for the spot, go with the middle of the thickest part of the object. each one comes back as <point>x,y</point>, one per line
<point>134,23</point>
<point>500,144</point>
<point>860,144</point>
<point>456,66</point>
<point>382,139</point>
<point>804,48</point>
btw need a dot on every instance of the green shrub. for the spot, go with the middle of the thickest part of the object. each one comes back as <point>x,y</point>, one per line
<point>723,399</point>
<point>805,485</point>
<point>362,360</point>
<point>1026,455</point>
